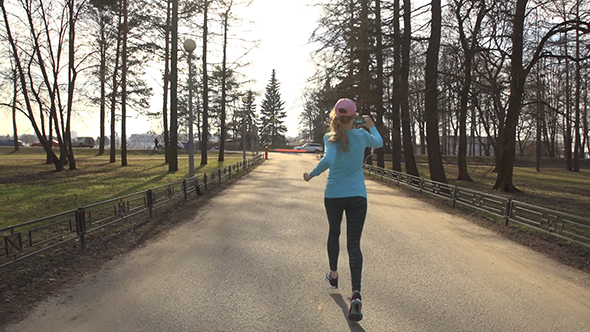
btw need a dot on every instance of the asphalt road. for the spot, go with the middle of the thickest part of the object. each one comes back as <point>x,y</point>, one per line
<point>254,259</point>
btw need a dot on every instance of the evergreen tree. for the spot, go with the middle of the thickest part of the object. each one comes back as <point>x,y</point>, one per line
<point>273,129</point>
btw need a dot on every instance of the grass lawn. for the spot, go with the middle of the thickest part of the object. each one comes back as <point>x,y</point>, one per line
<point>553,187</point>
<point>32,189</point>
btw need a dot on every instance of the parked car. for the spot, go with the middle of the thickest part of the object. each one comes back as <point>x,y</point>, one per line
<point>10,142</point>
<point>53,142</point>
<point>311,147</point>
<point>87,142</point>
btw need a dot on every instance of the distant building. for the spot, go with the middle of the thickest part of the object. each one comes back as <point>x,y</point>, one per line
<point>143,141</point>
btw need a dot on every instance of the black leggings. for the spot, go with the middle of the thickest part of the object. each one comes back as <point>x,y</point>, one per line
<point>356,212</point>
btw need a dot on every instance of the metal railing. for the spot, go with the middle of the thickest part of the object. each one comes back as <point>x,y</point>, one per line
<point>559,224</point>
<point>36,236</point>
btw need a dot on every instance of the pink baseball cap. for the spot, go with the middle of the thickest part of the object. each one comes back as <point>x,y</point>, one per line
<point>345,107</point>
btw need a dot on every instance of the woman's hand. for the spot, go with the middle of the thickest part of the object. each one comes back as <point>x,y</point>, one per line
<point>306,176</point>
<point>368,121</point>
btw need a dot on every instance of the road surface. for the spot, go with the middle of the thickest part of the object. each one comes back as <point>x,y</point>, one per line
<point>254,259</point>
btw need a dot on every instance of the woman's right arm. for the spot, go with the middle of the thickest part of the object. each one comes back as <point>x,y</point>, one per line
<point>374,139</point>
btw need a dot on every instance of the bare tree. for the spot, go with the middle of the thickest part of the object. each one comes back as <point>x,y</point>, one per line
<point>173,152</point>
<point>404,95</point>
<point>396,141</point>
<point>225,21</point>
<point>468,45</point>
<point>14,80</point>
<point>115,87</point>
<point>205,114</point>
<point>39,71</point>
<point>519,72</point>
<point>437,171</point>
<point>379,87</point>
<point>102,15</point>
<point>577,82</point>
<point>168,28</point>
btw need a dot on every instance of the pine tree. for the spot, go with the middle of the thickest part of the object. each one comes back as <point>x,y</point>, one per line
<point>273,129</point>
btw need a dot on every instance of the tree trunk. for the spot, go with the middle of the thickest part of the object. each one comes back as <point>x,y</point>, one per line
<point>205,124</point>
<point>124,86</point>
<point>567,135</point>
<point>469,53</point>
<point>71,83</point>
<point>577,138</point>
<point>365,97</point>
<point>405,93</point>
<point>113,154</point>
<point>103,79</point>
<point>379,83</point>
<point>462,153</point>
<point>586,132</point>
<point>173,161</point>
<point>539,122</point>
<point>437,171</point>
<point>166,82</point>
<point>507,140</point>
<point>396,141</point>
<point>222,117</point>
<point>14,97</point>
<point>50,136</point>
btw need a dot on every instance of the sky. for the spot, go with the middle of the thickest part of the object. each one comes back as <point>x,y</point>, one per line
<point>283,27</point>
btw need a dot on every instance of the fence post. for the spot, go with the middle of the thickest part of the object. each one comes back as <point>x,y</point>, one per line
<point>229,170</point>
<point>507,212</point>
<point>205,181</point>
<point>81,226</point>
<point>219,175</point>
<point>198,188</point>
<point>421,185</point>
<point>184,190</point>
<point>455,191</point>
<point>150,202</point>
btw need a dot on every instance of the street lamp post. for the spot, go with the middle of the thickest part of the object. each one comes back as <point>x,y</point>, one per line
<point>246,101</point>
<point>189,46</point>
<point>256,133</point>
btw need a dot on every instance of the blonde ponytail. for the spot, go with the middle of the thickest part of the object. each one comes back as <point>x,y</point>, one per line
<point>337,132</point>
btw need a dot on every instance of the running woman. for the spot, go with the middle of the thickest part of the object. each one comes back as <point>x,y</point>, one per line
<point>345,191</point>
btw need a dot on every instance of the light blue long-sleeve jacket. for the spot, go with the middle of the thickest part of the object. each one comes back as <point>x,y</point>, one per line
<point>346,177</point>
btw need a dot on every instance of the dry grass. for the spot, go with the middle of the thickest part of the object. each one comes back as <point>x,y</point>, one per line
<point>553,187</point>
<point>32,189</point>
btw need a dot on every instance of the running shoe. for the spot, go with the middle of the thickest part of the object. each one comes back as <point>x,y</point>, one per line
<point>355,314</point>
<point>333,281</point>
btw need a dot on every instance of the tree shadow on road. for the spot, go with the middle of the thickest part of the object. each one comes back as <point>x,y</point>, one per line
<point>340,301</point>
